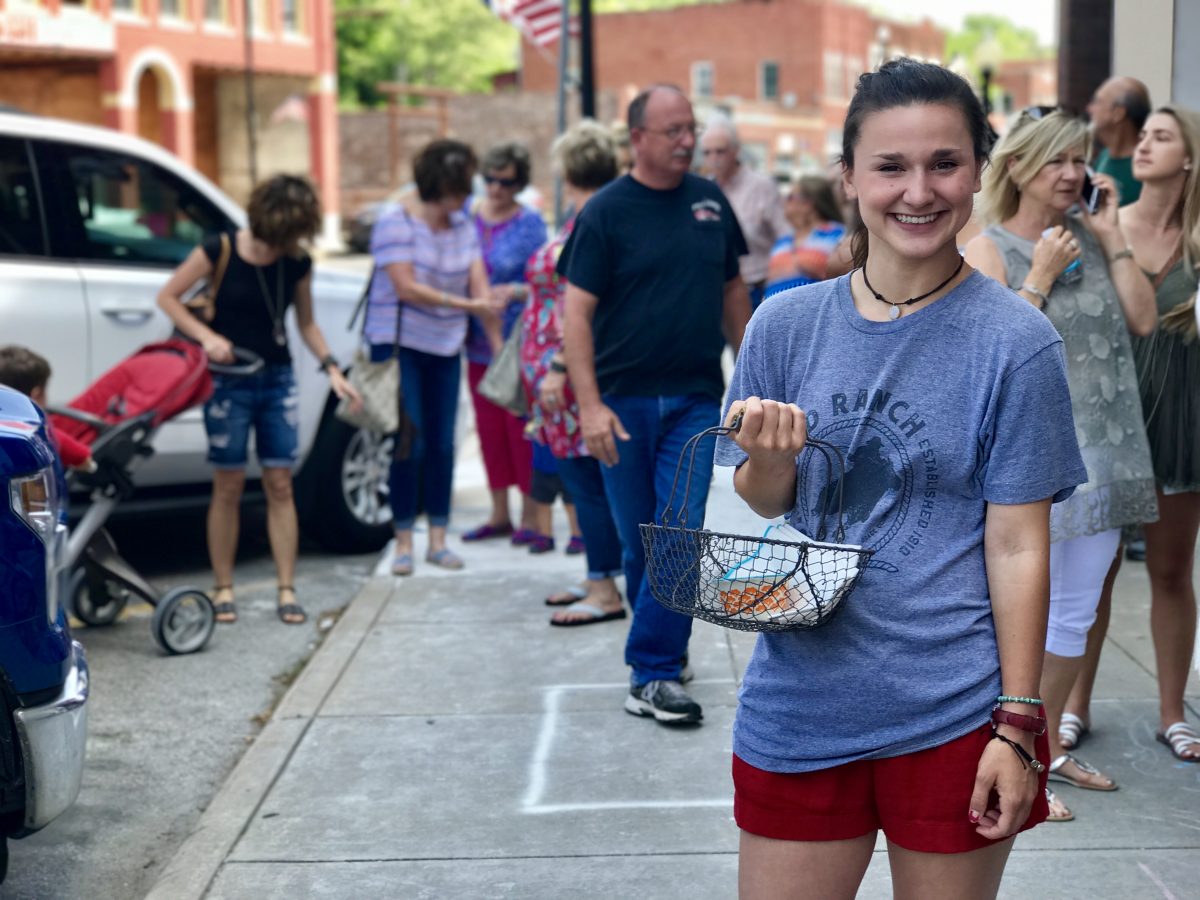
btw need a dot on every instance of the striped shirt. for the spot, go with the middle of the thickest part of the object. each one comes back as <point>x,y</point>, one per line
<point>440,260</point>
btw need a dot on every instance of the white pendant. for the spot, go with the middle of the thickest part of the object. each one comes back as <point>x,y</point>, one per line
<point>894,312</point>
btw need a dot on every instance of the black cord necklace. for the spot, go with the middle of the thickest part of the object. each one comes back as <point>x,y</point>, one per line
<point>894,312</point>
<point>277,308</point>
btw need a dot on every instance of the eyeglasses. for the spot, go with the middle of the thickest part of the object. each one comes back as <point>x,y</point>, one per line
<point>675,132</point>
<point>503,182</point>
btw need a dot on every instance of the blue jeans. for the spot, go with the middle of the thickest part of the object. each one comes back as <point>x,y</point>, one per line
<point>266,402</point>
<point>429,385</point>
<point>582,478</point>
<point>638,488</point>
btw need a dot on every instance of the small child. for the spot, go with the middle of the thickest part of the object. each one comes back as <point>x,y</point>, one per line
<point>29,373</point>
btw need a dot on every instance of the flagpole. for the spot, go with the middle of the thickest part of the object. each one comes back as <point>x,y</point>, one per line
<point>564,46</point>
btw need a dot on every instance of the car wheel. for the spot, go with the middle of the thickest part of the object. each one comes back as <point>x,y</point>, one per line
<point>344,501</point>
<point>183,621</point>
<point>93,601</point>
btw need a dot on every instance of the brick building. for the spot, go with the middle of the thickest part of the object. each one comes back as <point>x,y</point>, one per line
<point>784,70</point>
<point>172,71</point>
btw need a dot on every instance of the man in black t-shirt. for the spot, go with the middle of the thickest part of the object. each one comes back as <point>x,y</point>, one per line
<point>653,294</point>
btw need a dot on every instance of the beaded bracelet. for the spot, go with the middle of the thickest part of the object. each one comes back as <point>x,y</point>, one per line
<point>1004,698</point>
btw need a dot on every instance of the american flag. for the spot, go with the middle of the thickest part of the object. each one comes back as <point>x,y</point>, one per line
<point>539,20</point>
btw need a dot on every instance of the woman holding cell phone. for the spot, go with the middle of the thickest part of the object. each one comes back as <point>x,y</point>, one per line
<point>1077,269</point>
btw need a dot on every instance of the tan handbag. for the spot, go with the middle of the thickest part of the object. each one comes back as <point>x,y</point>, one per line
<point>378,383</point>
<point>501,383</point>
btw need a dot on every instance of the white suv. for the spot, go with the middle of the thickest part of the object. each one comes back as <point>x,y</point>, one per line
<point>92,222</point>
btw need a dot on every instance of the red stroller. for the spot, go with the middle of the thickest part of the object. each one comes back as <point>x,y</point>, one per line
<point>118,416</point>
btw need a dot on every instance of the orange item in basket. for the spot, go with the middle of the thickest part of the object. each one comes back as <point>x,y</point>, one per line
<point>758,598</point>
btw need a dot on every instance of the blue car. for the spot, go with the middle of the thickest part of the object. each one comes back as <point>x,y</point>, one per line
<point>43,672</point>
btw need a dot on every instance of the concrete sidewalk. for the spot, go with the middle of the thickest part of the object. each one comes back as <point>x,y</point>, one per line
<point>444,742</point>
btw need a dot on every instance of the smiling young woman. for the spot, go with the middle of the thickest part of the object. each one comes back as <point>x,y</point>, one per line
<point>922,373</point>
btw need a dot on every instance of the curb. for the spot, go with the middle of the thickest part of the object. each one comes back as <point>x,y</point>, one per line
<point>191,871</point>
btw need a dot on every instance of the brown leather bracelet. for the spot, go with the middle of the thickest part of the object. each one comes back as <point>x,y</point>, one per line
<point>1035,725</point>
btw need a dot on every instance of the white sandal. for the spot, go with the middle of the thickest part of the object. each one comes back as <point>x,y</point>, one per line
<point>1055,773</point>
<point>1071,730</point>
<point>1180,737</point>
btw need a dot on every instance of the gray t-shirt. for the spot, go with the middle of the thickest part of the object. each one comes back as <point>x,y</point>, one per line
<point>938,413</point>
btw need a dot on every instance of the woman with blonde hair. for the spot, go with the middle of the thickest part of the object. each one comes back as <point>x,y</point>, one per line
<point>1076,269</point>
<point>1162,227</point>
<point>586,155</point>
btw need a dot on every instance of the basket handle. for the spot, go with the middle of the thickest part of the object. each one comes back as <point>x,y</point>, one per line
<point>689,451</point>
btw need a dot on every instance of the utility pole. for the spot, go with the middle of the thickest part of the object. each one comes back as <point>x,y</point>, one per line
<point>587,84</point>
<point>251,117</point>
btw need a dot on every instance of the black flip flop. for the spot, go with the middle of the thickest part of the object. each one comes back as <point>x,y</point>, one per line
<point>225,608</point>
<point>596,614</point>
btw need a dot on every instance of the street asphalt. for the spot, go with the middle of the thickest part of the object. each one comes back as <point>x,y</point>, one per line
<point>444,742</point>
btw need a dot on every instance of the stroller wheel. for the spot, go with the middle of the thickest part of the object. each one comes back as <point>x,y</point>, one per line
<point>92,602</point>
<point>183,621</point>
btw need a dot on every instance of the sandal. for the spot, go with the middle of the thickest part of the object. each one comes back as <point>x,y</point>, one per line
<point>402,564</point>
<point>541,544</point>
<point>290,613</point>
<point>1071,730</point>
<point>445,558</point>
<point>1179,737</point>
<point>575,546</point>
<point>567,597</point>
<point>592,614</point>
<point>225,610</point>
<point>1056,773</point>
<point>487,531</point>
<point>1058,810</point>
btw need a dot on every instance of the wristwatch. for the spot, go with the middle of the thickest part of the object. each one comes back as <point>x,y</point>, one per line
<point>556,366</point>
<point>326,361</point>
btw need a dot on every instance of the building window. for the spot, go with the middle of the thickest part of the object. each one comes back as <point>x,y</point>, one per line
<point>293,16</point>
<point>768,80</point>
<point>854,68</point>
<point>835,82</point>
<point>168,9</point>
<point>703,79</point>
<point>126,6</point>
<point>214,11</point>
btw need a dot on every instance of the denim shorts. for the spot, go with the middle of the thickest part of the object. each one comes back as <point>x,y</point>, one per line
<point>266,402</point>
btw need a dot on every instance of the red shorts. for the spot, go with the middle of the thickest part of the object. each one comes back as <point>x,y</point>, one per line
<point>920,800</point>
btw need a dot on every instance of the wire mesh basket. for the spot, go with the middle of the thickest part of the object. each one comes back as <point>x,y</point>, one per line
<point>752,583</point>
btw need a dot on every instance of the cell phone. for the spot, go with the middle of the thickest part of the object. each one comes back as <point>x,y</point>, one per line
<point>1091,193</point>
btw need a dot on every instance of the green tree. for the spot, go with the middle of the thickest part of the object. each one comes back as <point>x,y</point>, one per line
<point>990,38</point>
<point>456,44</point>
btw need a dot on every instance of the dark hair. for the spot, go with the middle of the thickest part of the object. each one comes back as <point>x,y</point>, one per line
<point>284,210</point>
<point>504,155</point>
<point>444,168</point>
<point>907,82</point>
<point>1135,100</point>
<point>818,190</point>
<point>636,116</point>
<point>22,369</point>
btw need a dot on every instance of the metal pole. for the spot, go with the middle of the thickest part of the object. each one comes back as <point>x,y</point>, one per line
<point>564,47</point>
<point>587,85</point>
<point>251,128</point>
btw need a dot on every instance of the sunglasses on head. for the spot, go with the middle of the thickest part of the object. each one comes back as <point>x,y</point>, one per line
<point>503,182</point>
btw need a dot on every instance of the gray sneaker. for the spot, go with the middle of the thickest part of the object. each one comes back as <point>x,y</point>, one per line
<point>665,701</point>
